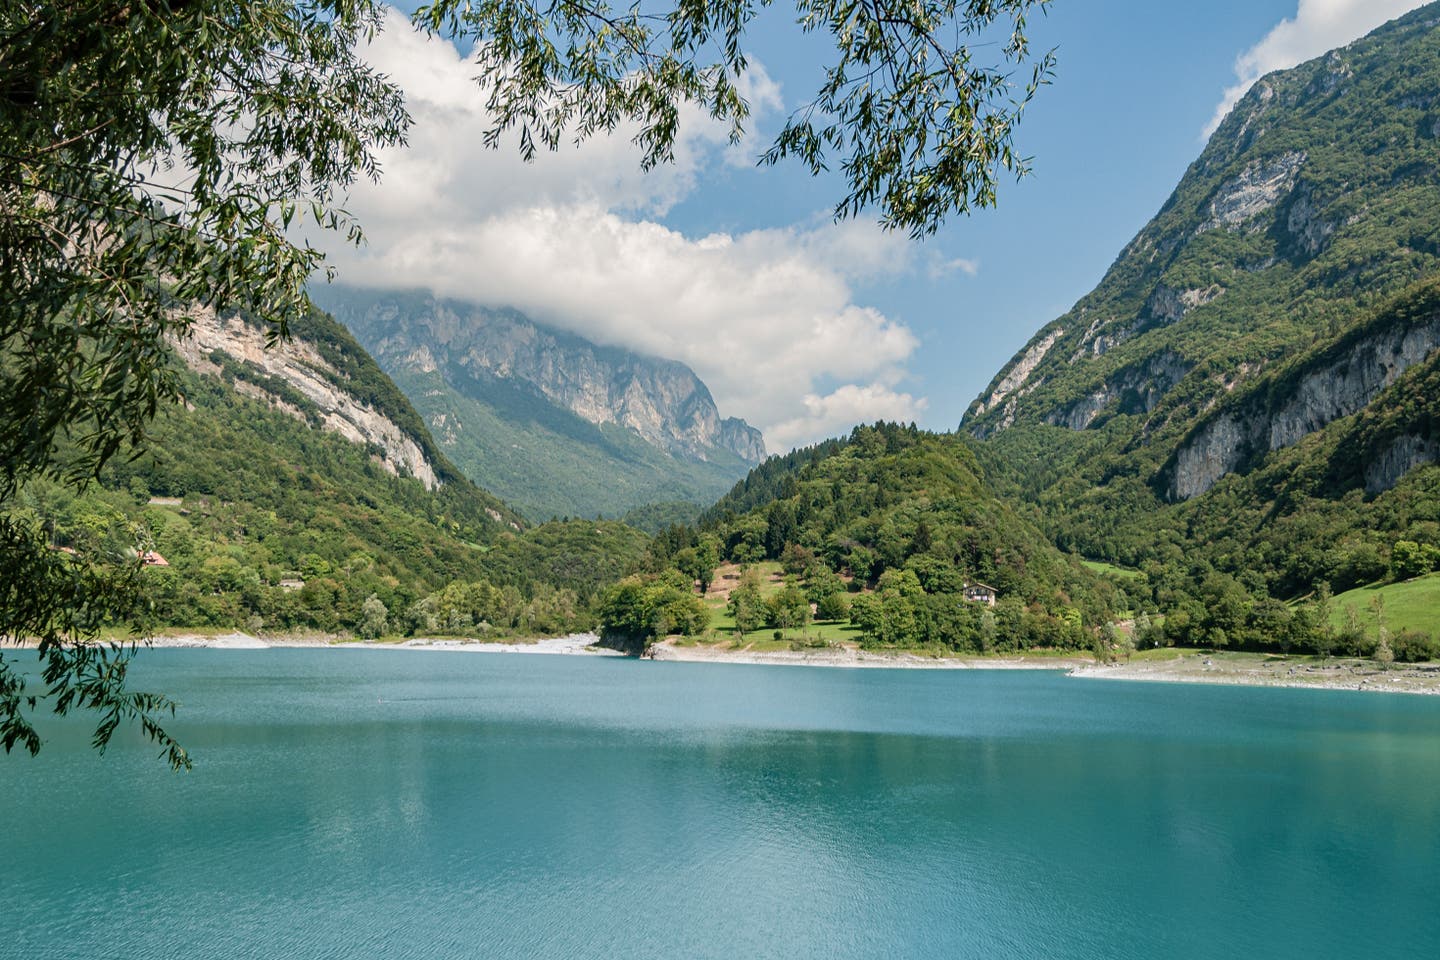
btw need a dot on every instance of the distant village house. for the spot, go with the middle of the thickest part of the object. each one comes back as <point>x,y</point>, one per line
<point>981,593</point>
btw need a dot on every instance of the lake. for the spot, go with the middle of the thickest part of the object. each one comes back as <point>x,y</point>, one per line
<point>385,804</point>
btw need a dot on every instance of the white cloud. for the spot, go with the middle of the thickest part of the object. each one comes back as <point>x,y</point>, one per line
<point>836,412</point>
<point>1318,26</point>
<point>940,267</point>
<point>757,315</point>
<point>446,170</point>
<point>765,317</point>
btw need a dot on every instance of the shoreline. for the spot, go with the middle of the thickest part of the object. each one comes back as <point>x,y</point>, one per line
<point>1227,669</point>
<point>1230,669</point>
<point>842,656</point>
<point>582,644</point>
<point>1248,670</point>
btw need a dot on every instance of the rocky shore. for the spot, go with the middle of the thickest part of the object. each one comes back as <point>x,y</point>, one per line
<point>1245,669</point>
<point>848,656</point>
<point>1267,671</point>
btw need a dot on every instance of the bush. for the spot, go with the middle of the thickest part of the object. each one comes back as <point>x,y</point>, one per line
<point>833,606</point>
<point>635,611</point>
<point>788,609</point>
<point>1414,646</point>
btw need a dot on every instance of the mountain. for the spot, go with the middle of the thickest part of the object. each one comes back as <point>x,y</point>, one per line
<point>297,489</point>
<point>1247,390</point>
<point>551,422</point>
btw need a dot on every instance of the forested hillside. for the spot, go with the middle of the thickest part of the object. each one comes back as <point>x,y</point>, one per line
<point>903,520</point>
<point>297,489</point>
<point>1244,405</point>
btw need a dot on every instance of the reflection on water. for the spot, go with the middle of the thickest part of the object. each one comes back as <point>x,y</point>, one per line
<point>427,805</point>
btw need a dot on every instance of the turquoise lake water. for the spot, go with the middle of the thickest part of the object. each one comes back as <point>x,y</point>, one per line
<point>375,804</point>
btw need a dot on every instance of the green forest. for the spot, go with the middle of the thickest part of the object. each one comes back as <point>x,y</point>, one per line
<point>1051,520</point>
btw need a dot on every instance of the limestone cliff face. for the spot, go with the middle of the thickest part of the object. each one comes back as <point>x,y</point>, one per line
<point>1261,185</point>
<point>1133,389</point>
<point>661,400</point>
<point>300,366</point>
<point>1005,391</point>
<point>1303,403</point>
<point>743,439</point>
<point>1407,452</point>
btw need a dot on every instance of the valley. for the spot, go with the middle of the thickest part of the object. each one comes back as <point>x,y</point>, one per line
<point>1228,445</point>
<point>593,483</point>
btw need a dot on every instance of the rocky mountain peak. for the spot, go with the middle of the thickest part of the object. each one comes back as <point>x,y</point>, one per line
<point>661,400</point>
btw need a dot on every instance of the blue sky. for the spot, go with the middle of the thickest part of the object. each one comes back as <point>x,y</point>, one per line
<point>798,325</point>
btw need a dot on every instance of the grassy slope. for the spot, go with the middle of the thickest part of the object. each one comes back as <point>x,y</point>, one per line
<point>772,581</point>
<point>1101,567</point>
<point>1410,605</point>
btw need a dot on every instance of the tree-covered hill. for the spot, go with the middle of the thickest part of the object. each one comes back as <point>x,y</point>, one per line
<point>297,489</point>
<point>907,514</point>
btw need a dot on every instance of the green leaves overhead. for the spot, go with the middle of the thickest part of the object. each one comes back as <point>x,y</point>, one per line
<point>927,128</point>
<point>57,598</point>
<point>920,126</point>
<point>152,157</point>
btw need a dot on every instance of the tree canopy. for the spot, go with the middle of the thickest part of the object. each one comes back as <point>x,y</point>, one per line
<point>921,127</point>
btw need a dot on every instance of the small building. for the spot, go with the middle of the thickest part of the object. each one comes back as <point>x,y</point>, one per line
<point>150,558</point>
<point>981,593</point>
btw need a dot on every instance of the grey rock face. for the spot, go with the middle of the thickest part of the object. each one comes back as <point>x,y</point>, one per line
<point>1408,451</point>
<point>1166,304</point>
<point>300,365</point>
<point>1216,450</point>
<point>1337,389</point>
<point>661,400</point>
<point>738,436</point>
<point>1019,370</point>
<point>1331,76</point>
<point>1346,386</point>
<point>1137,388</point>
<point>1259,187</point>
<point>1304,224</point>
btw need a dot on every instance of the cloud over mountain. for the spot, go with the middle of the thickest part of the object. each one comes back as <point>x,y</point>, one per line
<point>766,317</point>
